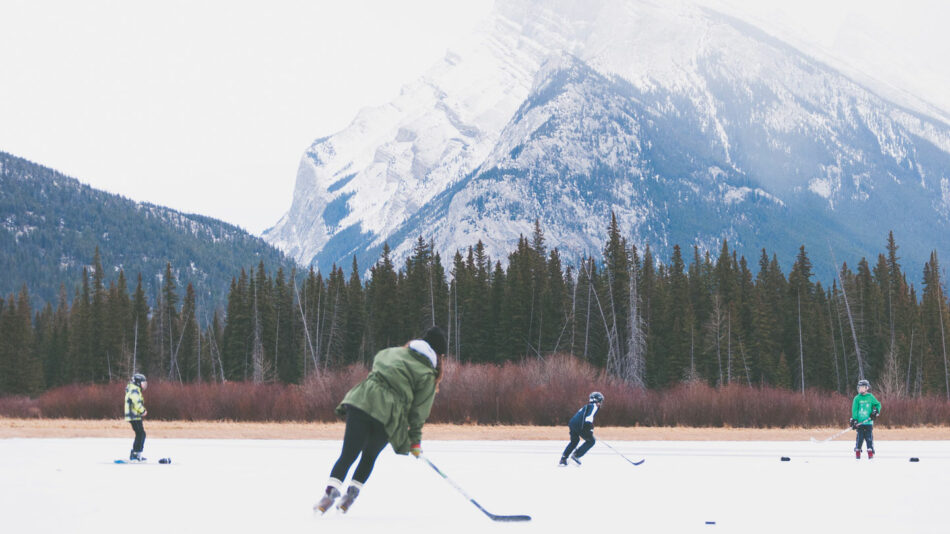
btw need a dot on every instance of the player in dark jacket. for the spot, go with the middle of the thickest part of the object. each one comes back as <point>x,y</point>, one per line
<point>582,426</point>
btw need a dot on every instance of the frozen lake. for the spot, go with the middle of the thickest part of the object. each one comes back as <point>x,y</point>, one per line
<point>72,485</point>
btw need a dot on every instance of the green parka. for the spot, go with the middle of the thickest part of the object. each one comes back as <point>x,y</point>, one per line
<point>862,406</point>
<point>398,393</point>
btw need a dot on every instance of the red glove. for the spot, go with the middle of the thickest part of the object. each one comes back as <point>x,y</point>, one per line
<point>416,449</point>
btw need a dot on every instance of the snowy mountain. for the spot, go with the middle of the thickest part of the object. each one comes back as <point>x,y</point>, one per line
<point>689,125</point>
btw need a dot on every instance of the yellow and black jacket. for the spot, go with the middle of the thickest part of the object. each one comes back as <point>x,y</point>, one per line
<point>134,403</point>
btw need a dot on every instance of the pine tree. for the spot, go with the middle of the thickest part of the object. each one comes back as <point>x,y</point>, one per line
<point>617,296</point>
<point>934,317</point>
<point>287,361</point>
<point>188,351</point>
<point>383,307</point>
<point>79,364</point>
<point>355,320</point>
<point>236,337</point>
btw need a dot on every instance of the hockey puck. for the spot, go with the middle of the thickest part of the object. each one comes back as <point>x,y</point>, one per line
<point>915,459</point>
<point>785,458</point>
<point>165,461</point>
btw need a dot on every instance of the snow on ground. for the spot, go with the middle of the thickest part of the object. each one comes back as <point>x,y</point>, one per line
<point>233,486</point>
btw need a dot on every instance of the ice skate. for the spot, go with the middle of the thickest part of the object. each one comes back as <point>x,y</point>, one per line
<point>330,495</point>
<point>352,492</point>
<point>576,459</point>
<point>563,462</point>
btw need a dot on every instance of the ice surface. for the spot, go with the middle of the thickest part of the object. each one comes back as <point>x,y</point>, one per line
<point>231,486</point>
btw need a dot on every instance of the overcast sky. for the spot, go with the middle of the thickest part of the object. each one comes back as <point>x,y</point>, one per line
<point>207,107</point>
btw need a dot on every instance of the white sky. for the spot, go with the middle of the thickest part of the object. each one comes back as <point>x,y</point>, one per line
<point>207,107</point>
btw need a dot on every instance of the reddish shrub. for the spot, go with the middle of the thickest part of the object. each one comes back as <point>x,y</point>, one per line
<point>533,392</point>
<point>19,407</point>
<point>78,401</point>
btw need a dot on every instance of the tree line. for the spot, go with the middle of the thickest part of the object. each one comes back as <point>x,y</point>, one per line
<point>698,317</point>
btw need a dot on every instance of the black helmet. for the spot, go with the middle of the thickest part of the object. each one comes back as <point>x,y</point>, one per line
<point>864,383</point>
<point>435,337</point>
<point>596,397</point>
<point>138,378</point>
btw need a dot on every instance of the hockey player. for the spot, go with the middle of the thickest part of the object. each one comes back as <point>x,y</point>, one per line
<point>134,412</point>
<point>389,406</point>
<point>582,426</point>
<point>864,410</point>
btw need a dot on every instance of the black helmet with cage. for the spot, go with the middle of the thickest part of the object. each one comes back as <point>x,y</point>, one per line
<point>597,397</point>
<point>138,378</point>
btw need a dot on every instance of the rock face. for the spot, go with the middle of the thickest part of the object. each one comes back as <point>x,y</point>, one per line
<point>690,126</point>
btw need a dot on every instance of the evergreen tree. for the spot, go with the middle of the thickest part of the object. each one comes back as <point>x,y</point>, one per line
<point>935,372</point>
<point>236,337</point>
<point>189,364</point>
<point>355,320</point>
<point>383,307</point>
<point>287,362</point>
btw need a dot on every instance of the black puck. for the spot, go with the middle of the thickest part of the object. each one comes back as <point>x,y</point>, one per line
<point>915,459</point>
<point>165,461</point>
<point>785,458</point>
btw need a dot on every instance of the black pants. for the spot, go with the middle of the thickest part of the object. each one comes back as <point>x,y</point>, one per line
<point>139,442</point>
<point>865,434</point>
<point>576,436</point>
<point>364,437</point>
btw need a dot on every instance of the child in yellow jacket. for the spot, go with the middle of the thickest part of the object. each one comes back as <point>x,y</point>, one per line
<point>134,412</point>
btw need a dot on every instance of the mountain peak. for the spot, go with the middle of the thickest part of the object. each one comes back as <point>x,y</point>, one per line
<point>692,127</point>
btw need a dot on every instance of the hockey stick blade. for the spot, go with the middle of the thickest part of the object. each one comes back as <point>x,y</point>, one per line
<point>509,518</point>
<point>493,517</point>
<point>622,456</point>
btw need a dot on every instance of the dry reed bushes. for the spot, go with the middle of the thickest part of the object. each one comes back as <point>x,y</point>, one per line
<point>543,392</point>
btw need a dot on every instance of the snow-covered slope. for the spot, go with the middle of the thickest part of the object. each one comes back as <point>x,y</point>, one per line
<point>689,125</point>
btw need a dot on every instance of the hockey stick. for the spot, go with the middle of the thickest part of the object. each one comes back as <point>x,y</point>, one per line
<point>813,440</point>
<point>492,516</point>
<point>621,454</point>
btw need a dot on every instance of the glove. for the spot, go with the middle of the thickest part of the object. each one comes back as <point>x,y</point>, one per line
<point>874,414</point>
<point>854,423</point>
<point>416,449</point>
<point>588,425</point>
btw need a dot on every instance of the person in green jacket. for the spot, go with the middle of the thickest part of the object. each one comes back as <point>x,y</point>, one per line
<point>389,406</point>
<point>134,412</point>
<point>864,410</point>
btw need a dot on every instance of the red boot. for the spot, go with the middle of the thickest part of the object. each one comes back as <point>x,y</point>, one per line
<point>857,455</point>
<point>870,455</point>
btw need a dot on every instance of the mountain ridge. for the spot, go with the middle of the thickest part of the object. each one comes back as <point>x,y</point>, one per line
<point>721,112</point>
<point>52,225</point>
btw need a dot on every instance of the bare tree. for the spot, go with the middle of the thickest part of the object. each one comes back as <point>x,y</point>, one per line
<point>257,346</point>
<point>635,358</point>
<point>801,344</point>
<point>714,330</point>
<point>847,307</point>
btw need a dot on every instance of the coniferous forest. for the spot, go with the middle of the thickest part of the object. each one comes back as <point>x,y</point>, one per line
<point>649,322</point>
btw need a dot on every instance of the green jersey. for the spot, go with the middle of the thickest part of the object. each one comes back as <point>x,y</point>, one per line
<point>862,406</point>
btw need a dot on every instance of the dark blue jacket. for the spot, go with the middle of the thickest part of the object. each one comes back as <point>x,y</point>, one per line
<point>584,415</point>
